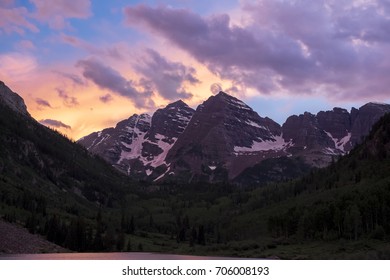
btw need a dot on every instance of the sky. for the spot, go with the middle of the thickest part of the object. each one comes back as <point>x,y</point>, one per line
<point>82,66</point>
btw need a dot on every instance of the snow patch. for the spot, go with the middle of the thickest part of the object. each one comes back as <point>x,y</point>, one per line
<point>340,143</point>
<point>98,143</point>
<point>330,151</point>
<point>160,158</point>
<point>343,141</point>
<point>135,146</point>
<point>252,123</point>
<point>162,175</point>
<point>275,145</point>
<point>239,104</point>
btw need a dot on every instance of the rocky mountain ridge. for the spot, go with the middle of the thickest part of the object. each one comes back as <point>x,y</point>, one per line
<point>139,145</point>
<point>223,137</point>
<point>12,100</point>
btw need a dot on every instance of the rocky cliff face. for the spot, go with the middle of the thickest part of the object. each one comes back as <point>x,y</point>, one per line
<point>363,119</point>
<point>319,138</point>
<point>138,146</point>
<point>224,137</point>
<point>12,100</point>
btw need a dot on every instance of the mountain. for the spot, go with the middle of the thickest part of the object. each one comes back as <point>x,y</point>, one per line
<point>50,184</point>
<point>319,138</point>
<point>224,137</point>
<point>139,145</point>
<point>337,212</point>
<point>12,100</point>
<point>54,187</point>
<point>225,140</point>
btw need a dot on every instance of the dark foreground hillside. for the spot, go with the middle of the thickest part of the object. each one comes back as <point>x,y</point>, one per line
<point>17,240</point>
<point>52,185</point>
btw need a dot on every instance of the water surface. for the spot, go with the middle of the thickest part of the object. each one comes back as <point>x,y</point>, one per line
<point>106,256</point>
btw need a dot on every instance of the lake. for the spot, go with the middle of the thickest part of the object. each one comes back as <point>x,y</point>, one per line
<point>106,256</point>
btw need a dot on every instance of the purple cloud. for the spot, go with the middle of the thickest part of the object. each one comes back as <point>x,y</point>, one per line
<point>107,78</point>
<point>74,78</point>
<point>168,77</point>
<point>43,103</point>
<point>106,98</point>
<point>69,101</point>
<point>215,88</point>
<point>54,123</point>
<point>338,48</point>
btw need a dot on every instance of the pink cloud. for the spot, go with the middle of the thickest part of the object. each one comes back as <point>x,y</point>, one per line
<point>7,3</point>
<point>76,42</point>
<point>15,20</point>
<point>25,45</point>
<point>55,12</point>
<point>15,65</point>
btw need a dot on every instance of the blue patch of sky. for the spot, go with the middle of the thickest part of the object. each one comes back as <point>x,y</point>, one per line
<point>204,7</point>
<point>106,26</point>
<point>280,108</point>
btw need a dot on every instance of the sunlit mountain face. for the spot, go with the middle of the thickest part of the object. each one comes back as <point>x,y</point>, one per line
<point>85,66</point>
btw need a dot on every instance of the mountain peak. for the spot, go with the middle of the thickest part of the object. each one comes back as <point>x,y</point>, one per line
<point>223,94</point>
<point>12,100</point>
<point>179,103</point>
<point>231,100</point>
<point>376,104</point>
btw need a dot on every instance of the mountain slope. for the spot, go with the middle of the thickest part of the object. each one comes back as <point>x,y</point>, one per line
<point>52,185</point>
<point>139,146</point>
<point>12,100</point>
<point>319,138</point>
<point>225,140</point>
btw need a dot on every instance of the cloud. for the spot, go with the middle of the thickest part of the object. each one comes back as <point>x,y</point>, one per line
<point>54,123</point>
<point>168,77</point>
<point>109,79</point>
<point>74,78</point>
<point>25,45</point>
<point>15,20</point>
<point>215,88</point>
<point>7,3</point>
<point>295,47</point>
<point>106,98</point>
<point>43,103</point>
<point>16,65</point>
<point>55,12</point>
<point>69,101</point>
<point>112,51</point>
